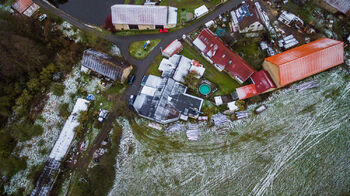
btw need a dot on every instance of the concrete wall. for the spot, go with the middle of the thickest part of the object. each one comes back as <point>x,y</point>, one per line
<point>146,27</point>
<point>273,71</point>
<point>120,27</point>
<point>170,26</point>
<point>126,73</point>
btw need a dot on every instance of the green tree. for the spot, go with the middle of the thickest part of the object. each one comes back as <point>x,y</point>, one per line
<point>58,89</point>
<point>33,85</point>
<point>46,74</point>
<point>191,81</point>
<point>25,130</point>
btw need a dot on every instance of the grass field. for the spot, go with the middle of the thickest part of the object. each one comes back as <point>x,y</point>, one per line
<point>153,69</point>
<point>298,146</point>
<point>136,48</point>
<point>225,83</point>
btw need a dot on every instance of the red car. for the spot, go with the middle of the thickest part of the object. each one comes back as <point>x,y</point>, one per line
<point>163,30</point>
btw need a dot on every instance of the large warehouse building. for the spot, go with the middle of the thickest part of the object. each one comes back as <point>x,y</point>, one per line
<point>143,17</point>
<point>304,61</point>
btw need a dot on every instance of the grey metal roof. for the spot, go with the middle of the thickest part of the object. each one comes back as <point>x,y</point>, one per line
<point>341,5</point>
<point>139,14</point>
<point>169,101</point>
<point>104,64</point>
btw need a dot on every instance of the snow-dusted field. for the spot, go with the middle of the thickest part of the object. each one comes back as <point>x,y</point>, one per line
<point>298,146</point>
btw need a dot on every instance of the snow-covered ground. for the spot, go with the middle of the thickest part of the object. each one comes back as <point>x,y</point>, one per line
<point>52,125</point>
<point>70,32</point>
<point>298,146</point>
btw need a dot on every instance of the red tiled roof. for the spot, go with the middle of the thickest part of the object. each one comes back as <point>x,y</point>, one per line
<point>308,59</point>
<point>262,81</point>
<point>21,5</point>
<point>246,91</point>
<point>224,57</point>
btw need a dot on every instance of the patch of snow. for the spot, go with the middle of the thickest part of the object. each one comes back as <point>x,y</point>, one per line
<point>68,31</point>
<point>115,50</point>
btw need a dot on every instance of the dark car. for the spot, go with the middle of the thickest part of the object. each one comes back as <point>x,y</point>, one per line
<point>131,79</point>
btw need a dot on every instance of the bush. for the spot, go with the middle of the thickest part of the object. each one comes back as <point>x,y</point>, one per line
<point>64,110</point>
<point>11,165</point>
<point>58,89</point>
<point>25,131</point>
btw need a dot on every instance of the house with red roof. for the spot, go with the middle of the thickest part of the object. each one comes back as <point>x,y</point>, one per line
<point>215,51</point>
<point>25,7</point>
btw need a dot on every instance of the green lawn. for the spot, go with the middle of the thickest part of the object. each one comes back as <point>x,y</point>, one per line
<point>225,83</point>
<point>136,48</point>
<point>136,2</point>
<point>153,69</point>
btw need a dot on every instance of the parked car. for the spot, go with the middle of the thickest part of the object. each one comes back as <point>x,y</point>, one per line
<point>131,79</point>
<point>131,99</point>
<point>163,30</point>
<point>42,17</point>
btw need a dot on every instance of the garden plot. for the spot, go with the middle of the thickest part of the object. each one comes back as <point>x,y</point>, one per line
<point>52,124</point>
<point>299,145</point>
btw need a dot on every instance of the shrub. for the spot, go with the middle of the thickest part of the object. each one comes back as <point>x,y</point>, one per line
<point>64,110</point>
<point>58,89</point>
<point>25,131</point>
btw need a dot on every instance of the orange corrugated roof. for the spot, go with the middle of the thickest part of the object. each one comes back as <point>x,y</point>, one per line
<point>246,91</point>
<point>302,51</point>
<point>21,5</point>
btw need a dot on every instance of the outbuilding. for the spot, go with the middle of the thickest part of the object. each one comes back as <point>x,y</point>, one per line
<point>173,48</point>
<point>201,11</point>
<point>143,17</point>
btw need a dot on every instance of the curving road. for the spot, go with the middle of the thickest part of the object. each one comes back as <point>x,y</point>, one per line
<point>123,42</point>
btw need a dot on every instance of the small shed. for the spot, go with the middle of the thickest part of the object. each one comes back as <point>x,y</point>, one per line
<point>25,7</point>
<point>218,100</point>
<point>246,91</point>
<point>202,10</point>
<point>173,48</point>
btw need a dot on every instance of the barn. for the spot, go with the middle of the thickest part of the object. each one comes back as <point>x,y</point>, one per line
<point>105,65</point>
<point>143,17</point>
<point>304,61</point>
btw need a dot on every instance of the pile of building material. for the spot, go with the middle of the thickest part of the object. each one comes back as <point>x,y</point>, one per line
<point>193,132</point>
<point>219,119</point>
<point>174,127</point>
<point>240,115</point>
<point>287,42</point>
<point>307,85</point>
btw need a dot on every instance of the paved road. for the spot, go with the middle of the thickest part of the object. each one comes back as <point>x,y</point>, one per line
<point>123,42</point>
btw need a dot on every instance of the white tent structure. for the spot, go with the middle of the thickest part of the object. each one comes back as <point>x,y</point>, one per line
<point>67,134</point>
<point>202,10</point>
